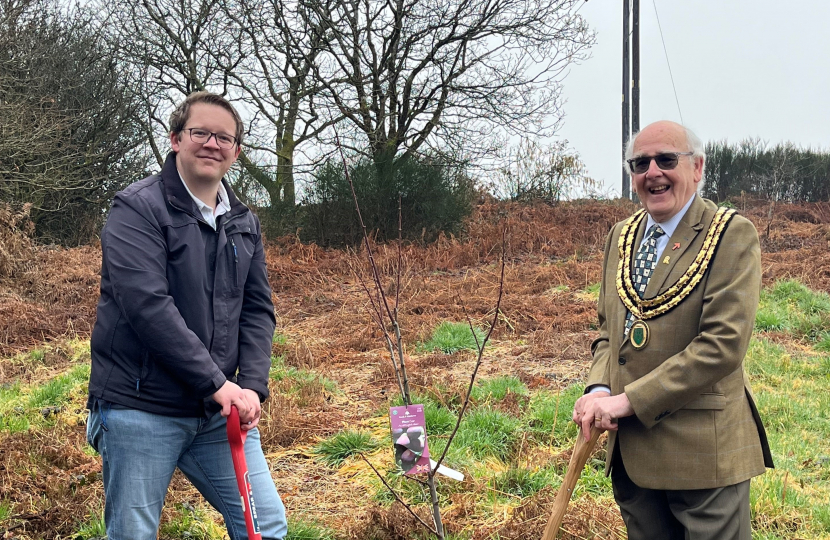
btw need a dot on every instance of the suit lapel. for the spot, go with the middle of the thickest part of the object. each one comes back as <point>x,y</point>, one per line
<point>685,234</point>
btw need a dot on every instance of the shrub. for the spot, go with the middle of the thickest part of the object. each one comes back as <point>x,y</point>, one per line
<point>435,196</point>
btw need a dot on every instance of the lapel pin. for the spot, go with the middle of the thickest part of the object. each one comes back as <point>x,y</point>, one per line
<point>675,246</point>
<point>666,259</point>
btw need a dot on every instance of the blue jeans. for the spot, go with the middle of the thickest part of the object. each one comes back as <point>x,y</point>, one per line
<point>140,452</point>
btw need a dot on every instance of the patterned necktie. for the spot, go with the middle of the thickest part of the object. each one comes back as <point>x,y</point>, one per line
<point>644,264</point>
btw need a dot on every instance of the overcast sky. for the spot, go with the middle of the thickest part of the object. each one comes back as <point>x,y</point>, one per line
<point>742,68</point>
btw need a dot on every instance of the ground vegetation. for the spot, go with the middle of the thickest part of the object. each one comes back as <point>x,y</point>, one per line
<point>332,382</point>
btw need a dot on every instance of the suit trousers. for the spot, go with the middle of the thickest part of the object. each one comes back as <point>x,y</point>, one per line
<point>687,514</point>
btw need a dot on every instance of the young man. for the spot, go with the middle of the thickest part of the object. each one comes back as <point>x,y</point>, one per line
<point>680,287</point>
<point>183,333</point>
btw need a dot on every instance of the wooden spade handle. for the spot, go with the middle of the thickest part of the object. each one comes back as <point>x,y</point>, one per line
<point>581,452</point>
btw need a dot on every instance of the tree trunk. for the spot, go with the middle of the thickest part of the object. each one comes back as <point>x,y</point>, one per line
<point>271,185</point>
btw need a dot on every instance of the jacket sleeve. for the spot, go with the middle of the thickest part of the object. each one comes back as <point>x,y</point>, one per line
<point>135,255</point>
<point>256,325</point>
<point>730,300</point>
<point>599,373</point>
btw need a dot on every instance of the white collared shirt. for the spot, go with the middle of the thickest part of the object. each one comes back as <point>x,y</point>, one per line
<point>668,227</point>
<point>210,214</point>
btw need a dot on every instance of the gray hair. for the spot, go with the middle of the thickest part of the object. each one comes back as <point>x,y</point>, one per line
<point>695,146</point>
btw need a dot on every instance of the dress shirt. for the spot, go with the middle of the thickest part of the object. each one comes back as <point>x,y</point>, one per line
<point>210,214</point>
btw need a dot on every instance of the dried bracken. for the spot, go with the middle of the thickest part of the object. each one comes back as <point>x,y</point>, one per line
<point>543,335</point>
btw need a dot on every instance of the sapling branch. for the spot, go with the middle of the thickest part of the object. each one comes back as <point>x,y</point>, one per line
<point>376,277</point>
<point>377,317</point>
<point>379,307</point>
<point>399,499</point>
<point>480,358</point>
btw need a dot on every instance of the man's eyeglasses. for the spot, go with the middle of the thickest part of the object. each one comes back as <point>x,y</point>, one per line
<point>202,136</point>
<point>666,162</point>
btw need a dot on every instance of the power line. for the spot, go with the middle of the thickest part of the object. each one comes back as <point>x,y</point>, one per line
<point>653,2</point>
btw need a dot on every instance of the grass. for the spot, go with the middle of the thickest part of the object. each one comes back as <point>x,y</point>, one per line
<point>300,528</point>
<point>788,306</point>
<point>510,457</point>
<point>496,389</point>
<point>591,292</point>
<point>793,500</point>
<point>548,418</point>
<point>192,523</point>
<point>299,378</point>
<point>823,343</point>
<point>522,482</point>
<point>93,528</point>
<point>57,391</point>
<point>486,433</point>
<point>5,510</point>
<point>336,449</point>
<point>25,406</point>
<point>450,337</point>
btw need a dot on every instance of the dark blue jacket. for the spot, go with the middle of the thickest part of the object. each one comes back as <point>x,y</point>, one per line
<point>183,308</point>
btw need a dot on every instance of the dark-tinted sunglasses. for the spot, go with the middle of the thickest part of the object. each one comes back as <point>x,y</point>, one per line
<point>666,162</point>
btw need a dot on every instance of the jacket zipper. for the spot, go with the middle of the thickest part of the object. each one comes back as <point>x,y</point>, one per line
<point>235,264</point>
<point>144,359</point>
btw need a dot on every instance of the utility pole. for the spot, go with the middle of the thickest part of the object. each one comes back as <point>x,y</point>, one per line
<point>626,104</point>
<point>635,74</point>
<point>635,67</point>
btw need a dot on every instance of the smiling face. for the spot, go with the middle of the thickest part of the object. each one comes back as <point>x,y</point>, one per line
<point>205,164</point>
<point>665,193</point>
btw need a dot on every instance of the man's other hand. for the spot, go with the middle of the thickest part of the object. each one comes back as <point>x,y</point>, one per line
<point>253,399</point>
<point>246,401</point>
<point>602,410</point>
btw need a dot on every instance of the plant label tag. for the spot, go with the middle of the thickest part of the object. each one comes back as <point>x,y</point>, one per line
<point>409,438</point>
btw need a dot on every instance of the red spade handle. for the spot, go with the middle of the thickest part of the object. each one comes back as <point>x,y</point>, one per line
<point>236,438</point>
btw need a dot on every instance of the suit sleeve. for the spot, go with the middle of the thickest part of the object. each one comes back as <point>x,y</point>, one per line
<point>135,255</point>
<point>730,300</point>
<point>600,373</point>
<point>256,325</point>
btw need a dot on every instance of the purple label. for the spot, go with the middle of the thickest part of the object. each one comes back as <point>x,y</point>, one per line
<point>409,437</point>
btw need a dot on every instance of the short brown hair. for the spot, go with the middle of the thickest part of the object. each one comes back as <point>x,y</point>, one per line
<point>180,116</point>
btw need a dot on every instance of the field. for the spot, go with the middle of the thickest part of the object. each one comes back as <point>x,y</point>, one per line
<point>332,381</point>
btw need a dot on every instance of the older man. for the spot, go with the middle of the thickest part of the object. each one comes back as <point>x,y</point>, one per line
<point>680,287</point>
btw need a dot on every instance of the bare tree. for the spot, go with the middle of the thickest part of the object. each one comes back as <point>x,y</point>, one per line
<point>412,74</point>
<point>165,47</point>
<point>69,138</point>
<point>257,53</point>
<point>278,44</point>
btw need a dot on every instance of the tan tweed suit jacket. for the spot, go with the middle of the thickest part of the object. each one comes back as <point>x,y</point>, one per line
<point>695,424</point>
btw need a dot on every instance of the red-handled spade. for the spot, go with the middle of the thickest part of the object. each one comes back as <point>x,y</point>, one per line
<point>236,437</point>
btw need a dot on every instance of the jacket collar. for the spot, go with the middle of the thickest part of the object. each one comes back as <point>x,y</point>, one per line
<point>178,196</point>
